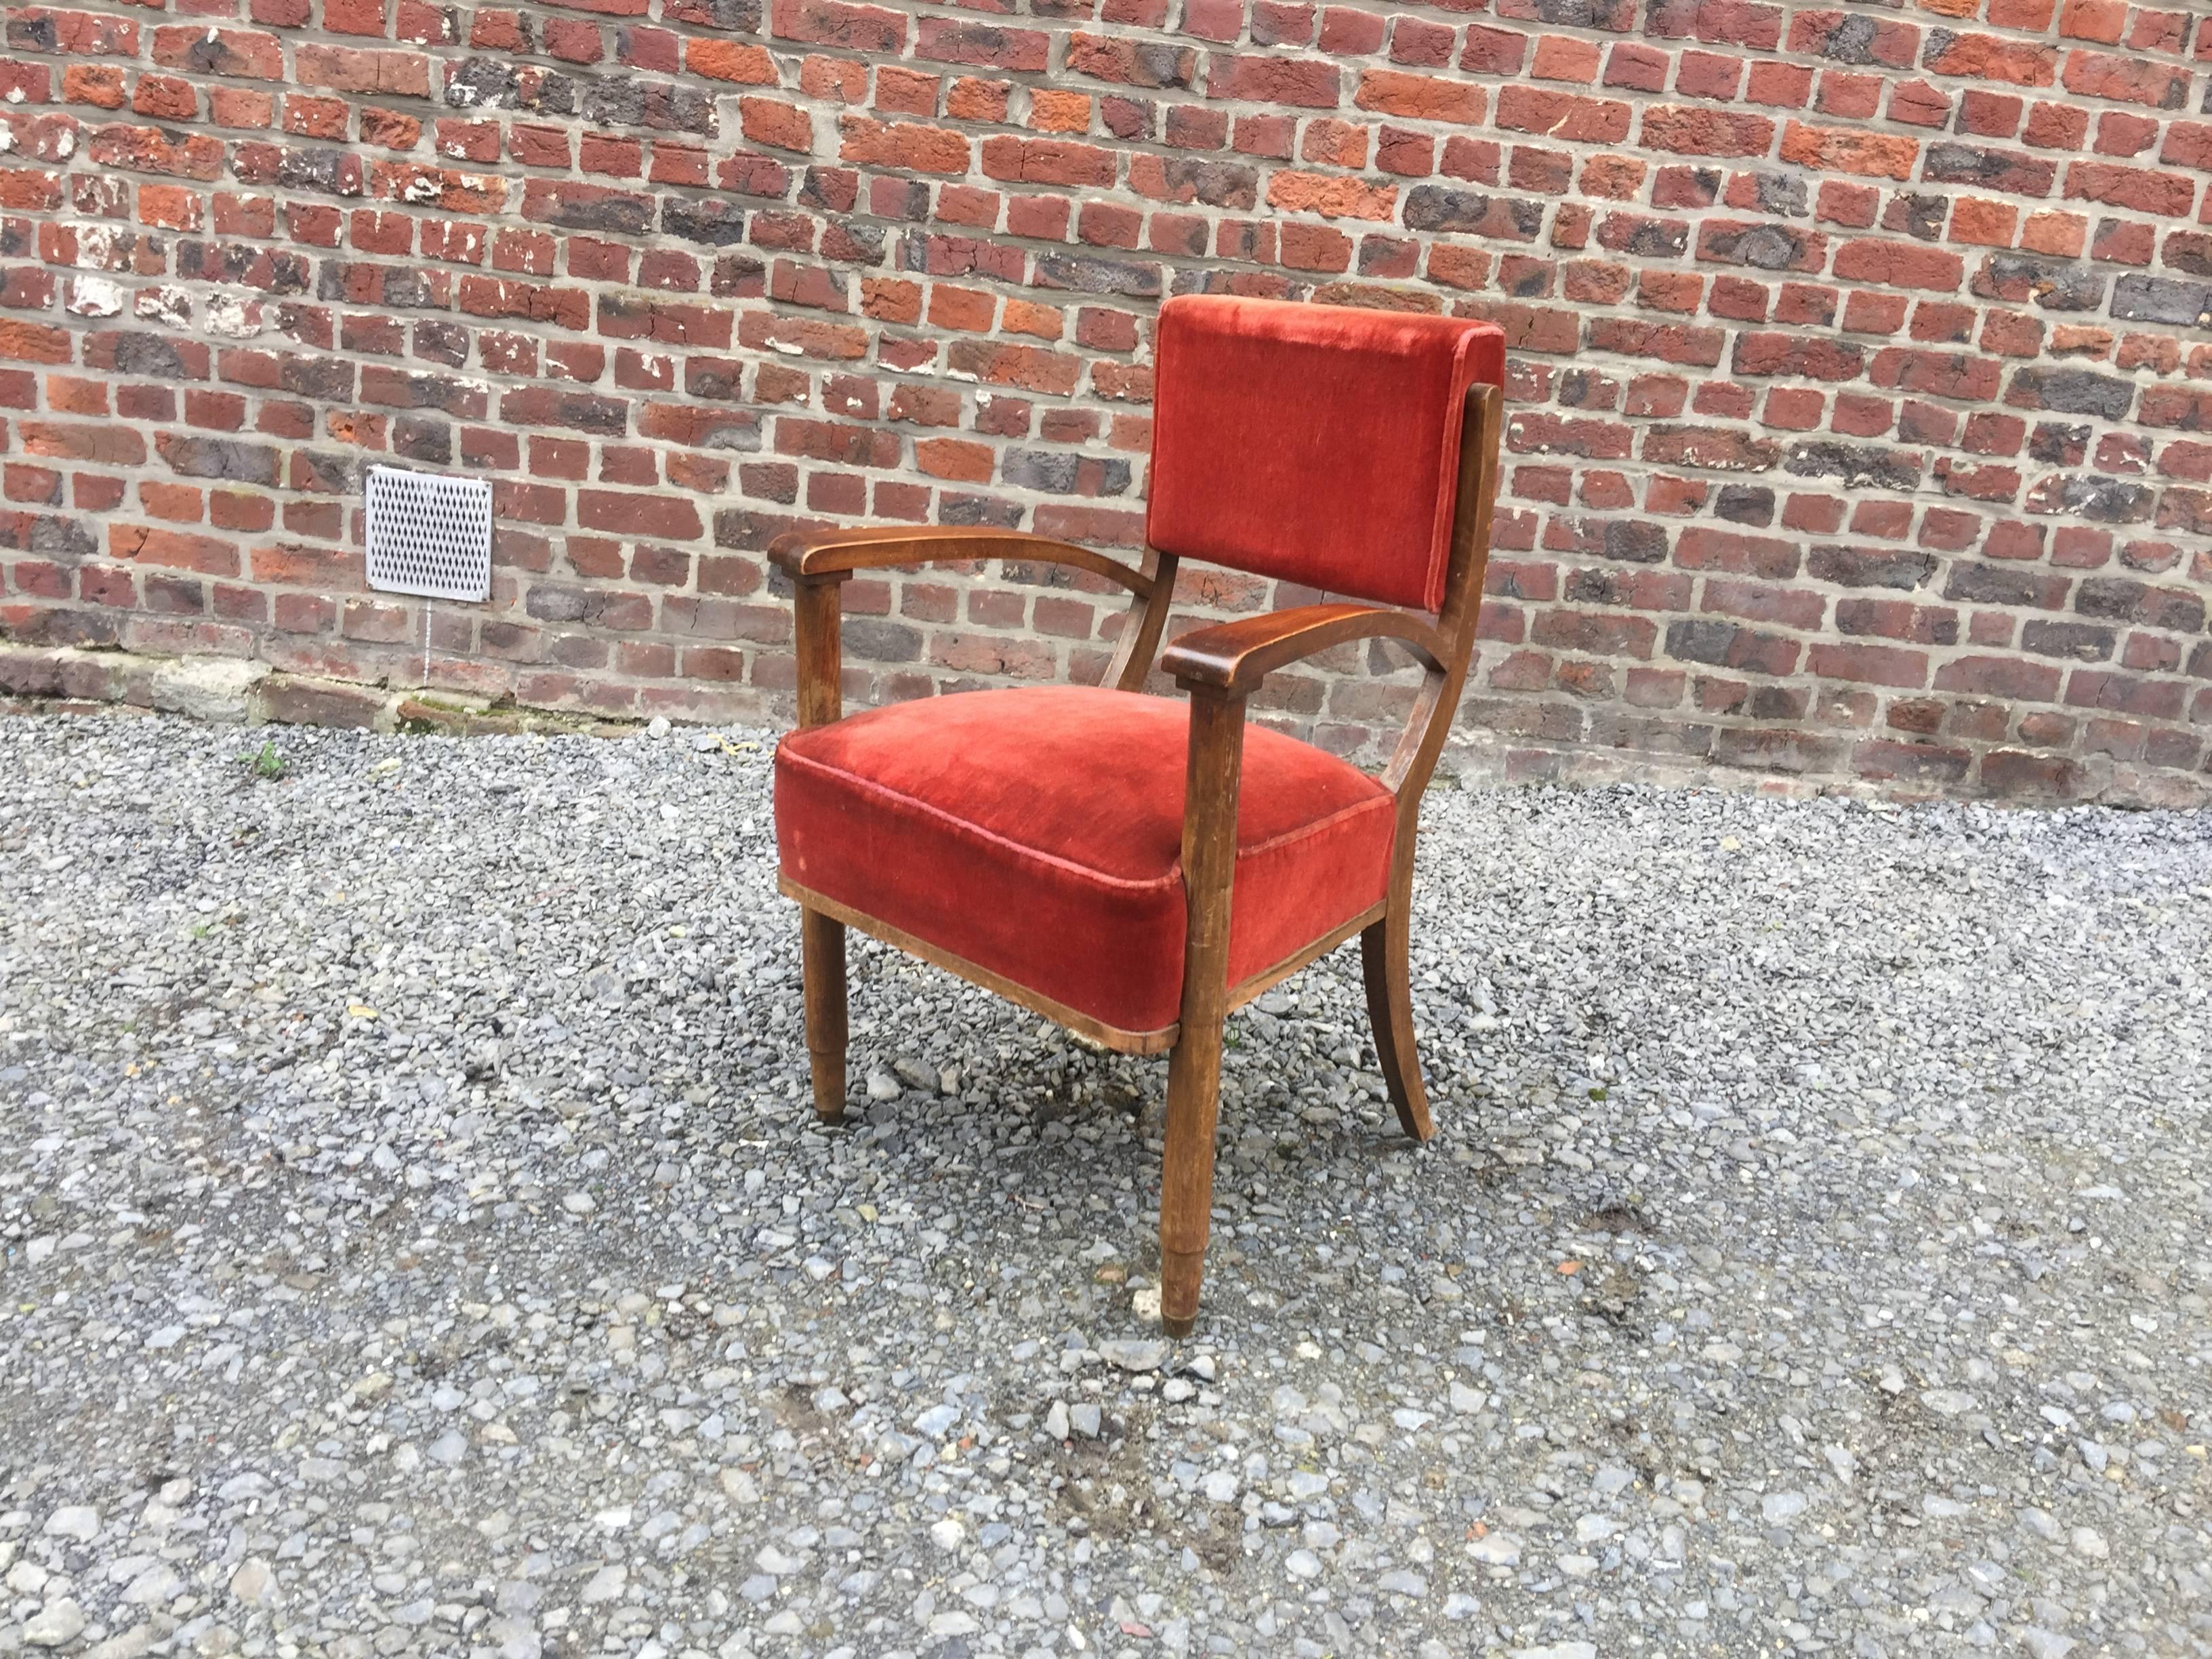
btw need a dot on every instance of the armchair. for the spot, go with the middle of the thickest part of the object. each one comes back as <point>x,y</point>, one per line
<point>1131,868</point>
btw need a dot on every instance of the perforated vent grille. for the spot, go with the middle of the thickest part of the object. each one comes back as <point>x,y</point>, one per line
<point>428,535</point>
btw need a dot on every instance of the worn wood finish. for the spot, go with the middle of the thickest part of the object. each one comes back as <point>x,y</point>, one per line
<point>819,647</point>
<point>1475,506</point>
<point>1236,656</point>
<point>821,937</point>
<point>1382,950</point>
<point>1097,1030</point>
<point>1119,1039</point>
<point>803,553</point>
<point>1141,624</point>
<point>1209,872</point>
<point>1267,978</point>
<point>1385,945</point>
<point>822,969</point>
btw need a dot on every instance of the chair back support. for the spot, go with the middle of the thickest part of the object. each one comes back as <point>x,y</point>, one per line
<point>1314,444</point>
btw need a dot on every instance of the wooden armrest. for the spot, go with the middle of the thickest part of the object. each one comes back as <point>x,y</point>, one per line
<point>1234,657</point>
<point>830,555</point>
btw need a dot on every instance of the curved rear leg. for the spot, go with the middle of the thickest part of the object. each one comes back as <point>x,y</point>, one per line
<point>1390,1007</point>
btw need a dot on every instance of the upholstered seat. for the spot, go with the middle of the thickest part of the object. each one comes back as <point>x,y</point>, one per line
<point>1037,834</point>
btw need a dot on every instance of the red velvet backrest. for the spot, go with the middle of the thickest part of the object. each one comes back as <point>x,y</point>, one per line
<point>1314,444</point>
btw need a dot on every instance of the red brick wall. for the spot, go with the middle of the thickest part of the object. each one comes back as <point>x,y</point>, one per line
<point>1862,378</point>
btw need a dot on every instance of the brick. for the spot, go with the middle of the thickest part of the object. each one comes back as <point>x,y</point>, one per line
<point>1990,57</point>
<point>836,23</point>
<point>357,69</point>
<point>1048,161</point>
<point>948,40</point>
<point>2137,189</point>
<point>1900,264</point>
<point>730,60</point>
<point>1333,196</point>
<point>1300,84</point>
<point>2131,80</point>
<point>1420,97</point>
<point>1567,117</point>
<point>1693,132</point>
<point>1871,155</point>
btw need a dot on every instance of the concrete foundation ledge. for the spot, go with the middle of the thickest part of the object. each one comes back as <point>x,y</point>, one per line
<point>238,691</point>
<point>235,691</point>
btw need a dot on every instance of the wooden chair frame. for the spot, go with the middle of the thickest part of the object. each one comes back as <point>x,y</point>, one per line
<point>1220,667</point>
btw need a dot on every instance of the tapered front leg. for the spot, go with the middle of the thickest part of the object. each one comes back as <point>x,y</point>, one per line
<point>1187,1172</point>
<point>821,957</point>
<point>1209,870</point>
<point>821,940</point>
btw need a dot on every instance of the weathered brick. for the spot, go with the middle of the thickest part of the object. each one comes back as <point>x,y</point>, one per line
<point>1845,150</point>
<point>1420,97</point>
<point>1568,117</point>
<point>837,23</point>
<point>1306,83</point>
<point>1687,131</point>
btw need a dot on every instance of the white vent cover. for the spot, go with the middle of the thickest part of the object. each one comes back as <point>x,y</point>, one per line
<point>429,534</point>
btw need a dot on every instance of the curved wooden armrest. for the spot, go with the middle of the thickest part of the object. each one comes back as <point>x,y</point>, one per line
<point>1234,657</point>
<point>819,554</point>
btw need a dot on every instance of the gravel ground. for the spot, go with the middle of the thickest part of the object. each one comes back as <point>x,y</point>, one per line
<point>418,1240</point>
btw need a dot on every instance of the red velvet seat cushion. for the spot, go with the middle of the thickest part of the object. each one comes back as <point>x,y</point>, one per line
<point>1315,444</point>
<point>1038,833</point>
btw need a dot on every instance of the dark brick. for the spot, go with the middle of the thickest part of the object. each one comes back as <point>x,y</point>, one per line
<point>2082,641</point>
<point>2119,598</point>
<point>1869,566</point>
<point>2071,392</point>
<point>2162,300</point>
<point>218,458</point>
<point>1856,466</point>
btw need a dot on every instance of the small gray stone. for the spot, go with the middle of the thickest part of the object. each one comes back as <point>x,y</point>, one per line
<point>131,1643</point>
<point>56,1623</point>
<point>1133,1355</point>
<point>252,1581</point>
<point>77,1521</point>
<point>157,1583</point>
<point>1780,1508</point>
<point>1496,1549</point>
